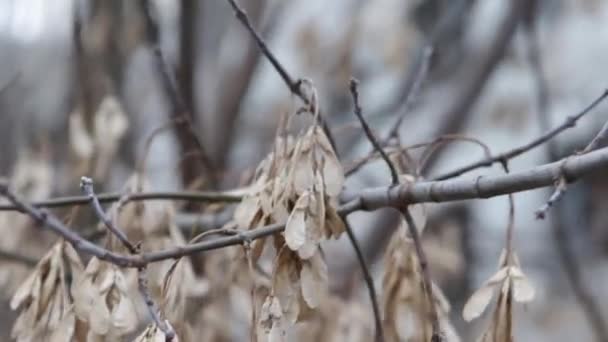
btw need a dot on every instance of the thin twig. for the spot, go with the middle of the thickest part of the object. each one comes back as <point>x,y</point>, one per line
<point>193,196</point>
<point>369,281</point>
<point>17,258</point>
<point>568,123</point>
<point>598,140</point>
<point>408,217</point>
<point>295,87</point>
<point>142,283</point>
<point>86,184</point>
<point>354,91</point>
<point>560,189</point>
<point>424,269</point>
<point>358,163</point>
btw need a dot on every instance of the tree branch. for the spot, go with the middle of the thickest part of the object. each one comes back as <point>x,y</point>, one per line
<point>86,184</point>
<point>193,196</point>
<point>368,280</point>
<point>295,87</point>
<point>368,132</point>
<point>369,199</point>
<point>568,123</point>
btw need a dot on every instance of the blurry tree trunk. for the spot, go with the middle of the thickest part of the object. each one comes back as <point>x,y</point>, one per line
<point>234,85</point>
<point>191,167</point>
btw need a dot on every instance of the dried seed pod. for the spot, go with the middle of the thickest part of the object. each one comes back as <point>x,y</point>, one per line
<point>102,299</point>
<point>512,286</point>
<point>43,298</point>
<point>406,305</point>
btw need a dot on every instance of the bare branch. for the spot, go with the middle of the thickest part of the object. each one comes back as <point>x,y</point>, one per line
<point>368,132</point>
<point>17,258</point>
<point>193,196</point>
<point>560,189</point>
<point>598,140</point>
<point>369,281</point>
<point>568,123</point>
<point>424,269</point>
<point>153,310</point>
<point>368,199</point>
<point>295,87</point>
<point>86,184</point>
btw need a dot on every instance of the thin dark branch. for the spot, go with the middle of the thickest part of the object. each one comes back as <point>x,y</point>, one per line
<point>193,196</point>
<point>180,110</point>
<point>357,164</point>
<point>354,91</point>
<point>598,140</point>
<point>153,310</point>
<point>17,258</point>
<point>424,269</point>
<point>86,184</point>
<point>368,199</point>
<point>369,281</point>
<point>568,123</point>
<point>295,87</point>
<point>560,189</point>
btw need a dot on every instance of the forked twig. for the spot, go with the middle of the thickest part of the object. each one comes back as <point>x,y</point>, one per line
<point>86,184</point>
<point>413,230</point>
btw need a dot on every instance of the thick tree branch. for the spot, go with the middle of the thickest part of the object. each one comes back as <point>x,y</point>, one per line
<point>370,199</point>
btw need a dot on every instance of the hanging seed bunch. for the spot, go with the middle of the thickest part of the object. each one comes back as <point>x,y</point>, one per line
<point>511,285</point>
<point>297,184</point>
<point>43,299</point>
